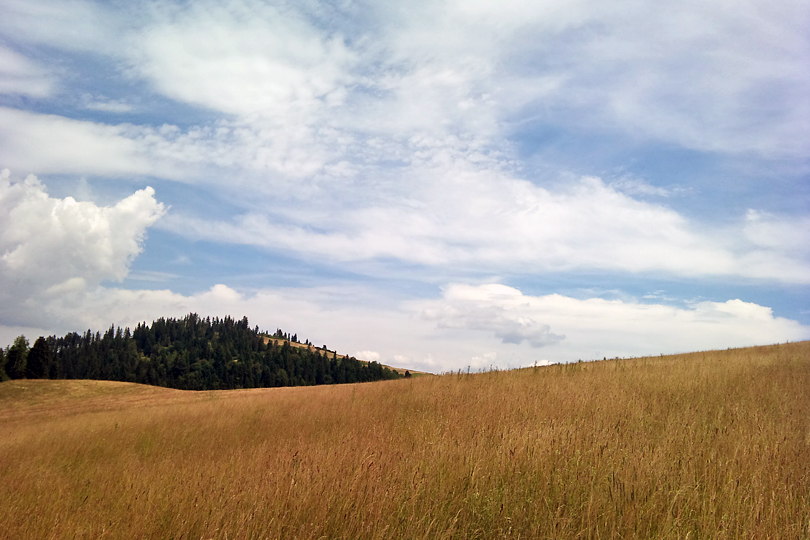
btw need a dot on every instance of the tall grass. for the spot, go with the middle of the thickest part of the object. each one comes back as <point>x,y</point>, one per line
<point>707,445</point>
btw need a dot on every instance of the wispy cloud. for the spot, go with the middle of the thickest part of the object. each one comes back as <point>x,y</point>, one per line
<point>152,276</point>
<point>54,144</point>
<point>638,187</point>
<point>103,104</point>
<point>502,224</point>
<point>21,76</point>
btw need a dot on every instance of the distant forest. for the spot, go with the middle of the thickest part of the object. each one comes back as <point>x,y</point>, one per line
<point>191,353</point>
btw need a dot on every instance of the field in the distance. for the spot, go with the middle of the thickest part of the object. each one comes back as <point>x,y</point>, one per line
<point>706,445</point>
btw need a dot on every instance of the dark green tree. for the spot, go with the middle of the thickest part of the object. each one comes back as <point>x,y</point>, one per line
<point>191,353</point>
<point>40,359</point>
<point>16,358</point>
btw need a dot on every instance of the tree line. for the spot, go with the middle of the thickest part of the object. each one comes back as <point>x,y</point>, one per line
<point>191,353</point>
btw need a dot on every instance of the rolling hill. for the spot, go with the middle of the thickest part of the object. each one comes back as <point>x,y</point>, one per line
<point>191,353</point>
<point>702,445</point>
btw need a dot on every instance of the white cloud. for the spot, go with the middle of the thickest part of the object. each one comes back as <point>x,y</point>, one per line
<point>53,250</point>
<point>54,144</point>
<point>279,156</point>
<point>594,327</point>
<point>307,94</point>
<point>699,75</point>
<point>19,75</point>
<point>46,143</point>
<point>244,58</point>
<point>368,356</point>
<point>104,104</point>
<point>638,187</point>
<point>77,25</point>
<point>768,231</point>
<point>456,216</point>
<point>152,276</point>
<point>302,77</point>
<point>491,308</point>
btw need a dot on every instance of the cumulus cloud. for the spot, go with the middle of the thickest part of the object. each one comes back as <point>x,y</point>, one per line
<point>492,308</point>
<point>59,248</point>
<point>593,327</point>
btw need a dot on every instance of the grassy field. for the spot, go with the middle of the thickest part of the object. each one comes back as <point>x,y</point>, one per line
<point>706,445</point>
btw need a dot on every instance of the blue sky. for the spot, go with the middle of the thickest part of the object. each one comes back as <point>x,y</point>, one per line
<point>434,185</point>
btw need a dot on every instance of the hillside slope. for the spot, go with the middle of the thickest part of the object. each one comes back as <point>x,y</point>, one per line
<point>191,353</point>
<point>705,445</point>
<point>278,342</point>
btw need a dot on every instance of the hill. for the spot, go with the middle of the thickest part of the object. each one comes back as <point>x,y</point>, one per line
<point>189,353</point>
<point>704,445</point>
<point>280,341</point>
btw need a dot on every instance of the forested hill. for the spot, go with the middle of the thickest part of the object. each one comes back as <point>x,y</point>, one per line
<point>189,353</point>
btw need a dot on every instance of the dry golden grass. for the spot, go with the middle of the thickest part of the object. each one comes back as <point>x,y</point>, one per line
<point>708,445</point>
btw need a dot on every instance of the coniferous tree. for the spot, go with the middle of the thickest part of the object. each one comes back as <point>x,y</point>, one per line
<point>40,358</point>
<point>16,358</point>
<point>189,353</point>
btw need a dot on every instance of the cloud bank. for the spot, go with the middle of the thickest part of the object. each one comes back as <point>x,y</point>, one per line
<point>565,328</point>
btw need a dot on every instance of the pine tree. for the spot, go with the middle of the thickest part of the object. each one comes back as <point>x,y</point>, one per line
<point>185,353</point>
<point>40,358</point>
<point>16,358</point>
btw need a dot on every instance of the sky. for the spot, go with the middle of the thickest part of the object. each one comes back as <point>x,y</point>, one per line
<point>432,185</point>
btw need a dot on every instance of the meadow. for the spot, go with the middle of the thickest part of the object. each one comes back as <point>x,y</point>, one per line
<point>702,445</point>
